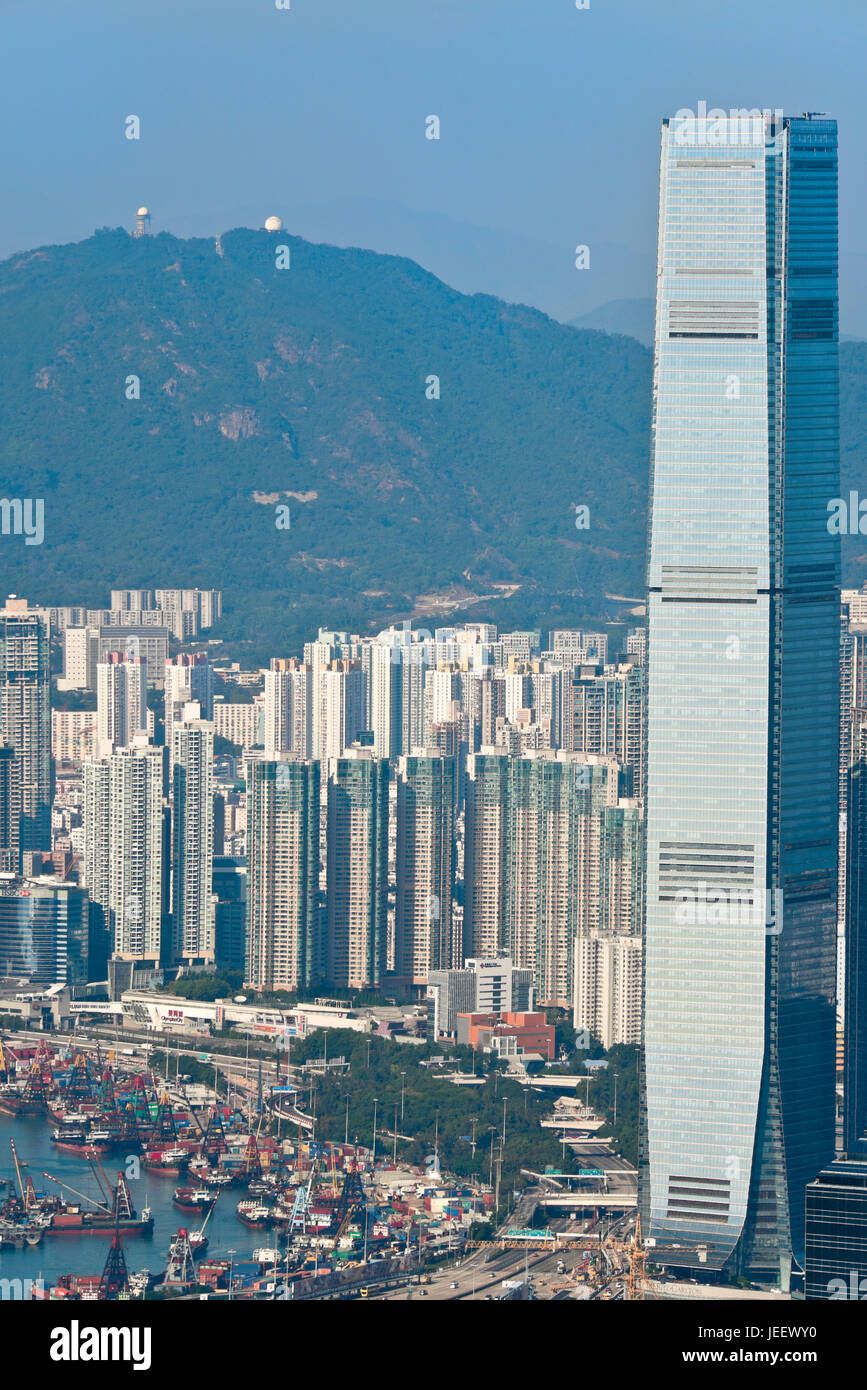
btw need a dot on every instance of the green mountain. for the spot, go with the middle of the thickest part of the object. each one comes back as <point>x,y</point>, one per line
<point>307,387</point>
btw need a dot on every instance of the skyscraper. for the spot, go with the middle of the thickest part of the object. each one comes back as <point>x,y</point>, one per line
<point>192,836</point>
<point>289,689</point>
<point>188,676</point>
<point>125,859</point>
<point>425,863</point>
<point>743,645</point>
<point>855,1044</point>
<point>607,716</point>
<point>25,715</point>
<point>569,847</point>
<point>283,939</point>
<point>357,873</point>
<point>44,930</point>
<point>121,700</point>
<point>339,713</point>
<point>10,809</point>
<point>485,851</point>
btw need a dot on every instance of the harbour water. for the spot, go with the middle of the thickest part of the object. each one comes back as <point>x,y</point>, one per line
<point>85,1254</point>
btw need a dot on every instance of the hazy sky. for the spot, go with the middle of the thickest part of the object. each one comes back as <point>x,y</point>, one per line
<point>549,113</point>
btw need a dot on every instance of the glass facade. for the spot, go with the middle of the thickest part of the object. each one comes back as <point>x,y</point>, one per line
<point>742,702</point>
<point>855,1051</point>
<point>836,1245</point>
<point>44,931</point>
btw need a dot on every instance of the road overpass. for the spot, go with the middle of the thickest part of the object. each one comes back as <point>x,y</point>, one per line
<point>587,1201</point>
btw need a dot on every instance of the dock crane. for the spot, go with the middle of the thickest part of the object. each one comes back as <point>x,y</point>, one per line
<point>76,1193</point>
<point>351,1198</point>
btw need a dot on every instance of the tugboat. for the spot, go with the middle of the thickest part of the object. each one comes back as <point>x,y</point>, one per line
<point>193,1199</point>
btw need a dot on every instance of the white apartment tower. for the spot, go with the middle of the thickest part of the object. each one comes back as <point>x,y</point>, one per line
<point>121,700</point>
<point>192,836</point>
<point>124,856</point>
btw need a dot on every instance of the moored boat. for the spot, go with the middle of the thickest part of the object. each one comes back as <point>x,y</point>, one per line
<point>253,1214</point>
<point>193,1198</point>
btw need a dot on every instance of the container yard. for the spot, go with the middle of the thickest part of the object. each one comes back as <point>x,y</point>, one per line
<point>116,1186</point>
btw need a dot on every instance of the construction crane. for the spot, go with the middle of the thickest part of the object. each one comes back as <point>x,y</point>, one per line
<point>633,1254</point>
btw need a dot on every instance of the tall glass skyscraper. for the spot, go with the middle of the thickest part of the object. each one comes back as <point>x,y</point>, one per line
<point>25,717</point>
<point>742,718</point>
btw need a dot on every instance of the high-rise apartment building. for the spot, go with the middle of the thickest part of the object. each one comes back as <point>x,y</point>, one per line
<point>485,853</point>
<point>278,706</point>
<point>339,715</point>
<point>357,869</point>
<point>560,862</point>
<point>125,850</point>
<point>121,700</point>
<point>25,715</point>
<point>608,987</point>
<point>80,657</point>
<point>385,696</point>
<point>284,949</point>
<point>188,677</point>
<point>192,756</point>
<point>742,721</point>
<point>289,701</point>
<point>425,866</point>
<point>608,716</point>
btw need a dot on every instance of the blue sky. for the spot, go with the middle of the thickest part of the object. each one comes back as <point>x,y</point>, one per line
<point>549,122</point>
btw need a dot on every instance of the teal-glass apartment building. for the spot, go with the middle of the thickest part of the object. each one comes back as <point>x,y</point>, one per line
<point>743,693</point>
